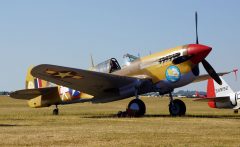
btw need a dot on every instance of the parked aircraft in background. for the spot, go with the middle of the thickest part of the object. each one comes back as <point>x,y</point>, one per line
<point>197,94</point>
<point>221,96</point>
<point>106,82</point>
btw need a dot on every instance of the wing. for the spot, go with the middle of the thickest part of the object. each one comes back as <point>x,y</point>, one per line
<point>96,84</point>
<point>28,94</point>
<point>206,77</point>
<point>215,99</point>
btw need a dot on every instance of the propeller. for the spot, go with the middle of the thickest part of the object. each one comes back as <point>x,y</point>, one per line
<point>196,25</point>
<point>211,71</point>
<point>205,63</point>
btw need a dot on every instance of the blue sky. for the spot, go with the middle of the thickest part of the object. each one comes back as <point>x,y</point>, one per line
<point>66,32</point>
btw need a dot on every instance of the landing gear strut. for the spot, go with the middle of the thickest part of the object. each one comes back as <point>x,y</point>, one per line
<point>55,111</point>
<point>176,107</point>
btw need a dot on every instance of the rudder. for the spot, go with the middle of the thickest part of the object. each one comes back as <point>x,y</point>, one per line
<point>216,90</point>
<point>33,82</point>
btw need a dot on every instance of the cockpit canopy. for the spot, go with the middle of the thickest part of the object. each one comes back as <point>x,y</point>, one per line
<point>107,66</point>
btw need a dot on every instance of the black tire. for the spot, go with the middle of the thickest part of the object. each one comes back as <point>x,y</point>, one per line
<point>119,114</point>
<point>178,108</point>
<point>136,108</point>
<point>55,112</point>
<point>235,111</point>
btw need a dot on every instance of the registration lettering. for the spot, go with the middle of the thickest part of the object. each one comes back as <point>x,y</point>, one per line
<point>221,89</point>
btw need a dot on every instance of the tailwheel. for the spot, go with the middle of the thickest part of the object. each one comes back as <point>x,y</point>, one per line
<point>177,108</point>
<point>55,111</point>
<point>235,111</point>
<point>136,108</point>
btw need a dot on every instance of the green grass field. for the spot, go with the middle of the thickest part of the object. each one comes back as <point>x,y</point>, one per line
<point>97,125</point>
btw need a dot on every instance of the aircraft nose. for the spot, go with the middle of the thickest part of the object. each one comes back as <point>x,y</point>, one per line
<point>198,51</point>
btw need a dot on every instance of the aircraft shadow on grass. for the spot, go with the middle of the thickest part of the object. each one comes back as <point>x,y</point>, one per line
<point>168,116</point>
<point>11,125</point>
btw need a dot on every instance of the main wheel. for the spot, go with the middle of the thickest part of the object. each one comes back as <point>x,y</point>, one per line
<point>55,112</point>
<point>177,108</point>
<point>136,108</point>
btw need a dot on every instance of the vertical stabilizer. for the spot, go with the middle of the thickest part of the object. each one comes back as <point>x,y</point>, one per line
<point>216,90</point>
<point>32,82</point>
<point>92,62</point>
<point>211,88</point>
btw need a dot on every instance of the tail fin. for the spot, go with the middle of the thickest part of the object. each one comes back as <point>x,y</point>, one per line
<point>92,62</point>
<point>216,90</point>
<point>33,83</point>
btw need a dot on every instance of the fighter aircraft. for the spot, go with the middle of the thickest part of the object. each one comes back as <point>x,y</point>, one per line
<point>221,96</point>
<point>106,82</point>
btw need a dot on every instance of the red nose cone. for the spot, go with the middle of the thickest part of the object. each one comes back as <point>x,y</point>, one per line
<point>198,51</point>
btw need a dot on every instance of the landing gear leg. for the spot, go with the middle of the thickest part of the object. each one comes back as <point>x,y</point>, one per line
<point>136,93</point>
<point>176,107</point>
<point>136,107</point>
<point>55,111</point>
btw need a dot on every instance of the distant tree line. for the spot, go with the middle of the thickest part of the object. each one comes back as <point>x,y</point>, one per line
<point>188,93</point>
<point>185,93</point>
<point>4,93</point>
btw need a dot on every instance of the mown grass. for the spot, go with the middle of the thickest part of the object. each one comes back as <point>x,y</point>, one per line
<point>97,125</point>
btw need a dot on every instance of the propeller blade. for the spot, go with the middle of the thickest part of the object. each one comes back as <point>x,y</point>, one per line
<point>211,71</point>
<point>196,25</point>
<point>181,59</point>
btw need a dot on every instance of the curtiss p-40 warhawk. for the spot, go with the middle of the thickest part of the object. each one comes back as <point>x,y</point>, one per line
<point>106,82</point>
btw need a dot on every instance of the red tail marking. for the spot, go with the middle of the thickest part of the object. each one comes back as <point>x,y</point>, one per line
<point>39,83</point>
<point>235,72</point>
<point>212,104</point>
<point>210,88</point>
<point>197,94</point>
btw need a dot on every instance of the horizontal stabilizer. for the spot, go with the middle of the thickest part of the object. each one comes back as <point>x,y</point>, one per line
<point>28,94</point>
<point>215,99</point>
<point>206,77</point>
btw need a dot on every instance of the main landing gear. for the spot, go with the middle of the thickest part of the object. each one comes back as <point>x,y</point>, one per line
<point>136,108</point>
<point>55,111</point>
<point>176,107</point>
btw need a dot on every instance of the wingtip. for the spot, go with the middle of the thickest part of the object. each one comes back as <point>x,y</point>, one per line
<point>39,67</point>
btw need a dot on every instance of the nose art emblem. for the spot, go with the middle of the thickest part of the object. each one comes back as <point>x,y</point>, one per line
<point>173,74</point>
